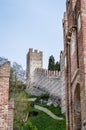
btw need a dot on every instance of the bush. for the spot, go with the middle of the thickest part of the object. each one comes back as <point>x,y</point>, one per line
<point>29,126</point>
<point>43,96</point>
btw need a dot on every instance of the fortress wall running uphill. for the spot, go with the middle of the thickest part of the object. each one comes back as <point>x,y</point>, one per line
<point>48,81</point>
<point>52,82</point>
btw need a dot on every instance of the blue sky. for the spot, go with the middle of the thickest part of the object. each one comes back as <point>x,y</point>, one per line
<point>28,24</point>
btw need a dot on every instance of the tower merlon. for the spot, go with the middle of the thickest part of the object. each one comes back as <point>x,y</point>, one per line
<point>35,51</point>
<point>30,49</point>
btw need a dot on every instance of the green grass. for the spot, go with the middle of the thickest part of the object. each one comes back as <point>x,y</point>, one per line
<point>45,122</point>
<point>42,121</point>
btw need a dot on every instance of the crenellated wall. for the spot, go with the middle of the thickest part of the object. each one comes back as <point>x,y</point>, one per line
<point>48,81</point>
<point>52,82</point>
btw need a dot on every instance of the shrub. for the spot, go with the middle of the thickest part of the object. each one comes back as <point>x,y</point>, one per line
<point>29,126</point>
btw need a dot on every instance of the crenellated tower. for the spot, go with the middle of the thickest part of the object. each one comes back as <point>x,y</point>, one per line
<point>34,60</point>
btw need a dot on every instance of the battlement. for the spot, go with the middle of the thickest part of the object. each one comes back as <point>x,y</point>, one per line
<point>62,55</point>
<point>31,50</point>
<point>34,60</point>
<point>48,72</point>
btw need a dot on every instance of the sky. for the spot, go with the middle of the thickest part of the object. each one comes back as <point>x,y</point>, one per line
<point>33,24</point>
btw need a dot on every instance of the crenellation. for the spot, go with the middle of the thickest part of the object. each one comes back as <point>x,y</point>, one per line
<point>30,50</point>
<point>34,60</point>
<point>46,80</point>
<point>35,51</point>
<point>48,72</point>
<point>40,52</point>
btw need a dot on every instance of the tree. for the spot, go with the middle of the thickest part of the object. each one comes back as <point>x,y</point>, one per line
<point>19,73</point>
<point>17,77</point>
<point>51,63</point>
<point>57,66</point>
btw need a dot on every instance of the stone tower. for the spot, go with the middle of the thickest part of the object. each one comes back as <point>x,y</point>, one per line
<point>74,25</point>
<point>34,60</point>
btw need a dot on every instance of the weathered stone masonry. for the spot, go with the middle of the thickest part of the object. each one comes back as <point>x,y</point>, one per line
<point>74,25</point>
<point>34,60</point>
<point>6,122</point>
<point>52,82</point>
<point>47,81</point>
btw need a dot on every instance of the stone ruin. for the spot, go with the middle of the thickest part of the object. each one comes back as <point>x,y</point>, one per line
<point>6,105</point>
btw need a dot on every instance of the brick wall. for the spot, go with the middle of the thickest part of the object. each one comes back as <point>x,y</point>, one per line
<point>4,95</point>
<point>10,114</point>
<point>75,40</point>
<point>5,107</point>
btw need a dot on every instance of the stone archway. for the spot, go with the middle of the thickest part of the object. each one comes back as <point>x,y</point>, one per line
<point>77,108</point>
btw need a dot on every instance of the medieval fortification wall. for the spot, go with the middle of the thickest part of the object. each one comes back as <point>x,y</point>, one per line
<point>6,106</point>
<point>52,82</point>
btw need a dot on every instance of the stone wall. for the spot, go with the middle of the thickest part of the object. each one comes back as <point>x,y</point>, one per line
<point>10,114</point>
<point>34,60</point>
<point>4,95</point>
<point>48,81</point>
<point>52,82</point>
<point>62,83</point>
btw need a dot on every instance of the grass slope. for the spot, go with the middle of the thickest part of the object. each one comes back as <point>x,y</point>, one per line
<point>42,121</point>
<point>45,122</point>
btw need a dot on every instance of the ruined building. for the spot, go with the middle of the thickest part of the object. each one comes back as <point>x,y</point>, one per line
<point>74,28</point>
<point>6,105</point>
<point>52,82</point>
